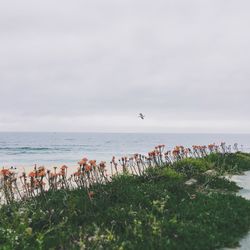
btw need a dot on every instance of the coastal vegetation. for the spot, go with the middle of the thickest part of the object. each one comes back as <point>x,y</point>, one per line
<point>179,199</point>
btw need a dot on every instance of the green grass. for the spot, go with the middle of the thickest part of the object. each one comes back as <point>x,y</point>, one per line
<point>230,163</point>
<point>154,211</point>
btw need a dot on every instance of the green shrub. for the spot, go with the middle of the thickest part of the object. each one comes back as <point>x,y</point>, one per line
<point>153,211</point>
<point>231,163</point>
<point>191,167</point>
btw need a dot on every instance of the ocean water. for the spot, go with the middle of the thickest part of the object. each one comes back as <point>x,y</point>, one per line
<point>49,149</point>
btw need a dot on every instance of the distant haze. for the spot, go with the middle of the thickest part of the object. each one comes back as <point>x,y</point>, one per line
<point>95,65</point>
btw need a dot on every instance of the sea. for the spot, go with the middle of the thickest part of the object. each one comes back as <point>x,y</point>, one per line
<point>54,149</point>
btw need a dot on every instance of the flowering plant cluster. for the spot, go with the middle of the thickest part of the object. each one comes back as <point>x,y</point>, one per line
<point>89,172</point>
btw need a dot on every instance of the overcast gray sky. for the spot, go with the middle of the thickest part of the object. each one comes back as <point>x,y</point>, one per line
<point>94,65</point>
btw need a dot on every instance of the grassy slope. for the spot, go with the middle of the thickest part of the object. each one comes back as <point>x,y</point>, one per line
<point>156,211</point>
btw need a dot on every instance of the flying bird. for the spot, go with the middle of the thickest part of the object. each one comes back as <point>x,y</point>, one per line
<point>141,116</point>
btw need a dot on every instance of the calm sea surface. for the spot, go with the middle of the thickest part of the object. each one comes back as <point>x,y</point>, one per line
<point>27,149</point>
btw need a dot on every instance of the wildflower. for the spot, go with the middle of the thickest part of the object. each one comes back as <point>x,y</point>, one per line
<point>41,173</point>
<point>88,168</point>
<point>83,161</point>
<point>64,167</point>
<point>42,168</point>
<point>5,172</point>
<point>63,170</point>
<point>78,173</point>
<point>91,195</point>
<point>102,164</point>
<point>92,163</point>
<point>62,173</point>
<point>32,174</point>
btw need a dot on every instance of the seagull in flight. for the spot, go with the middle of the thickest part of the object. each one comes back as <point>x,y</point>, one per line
<point>141,116</point>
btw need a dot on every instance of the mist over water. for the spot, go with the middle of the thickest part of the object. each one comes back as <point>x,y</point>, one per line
<point>27,149</point>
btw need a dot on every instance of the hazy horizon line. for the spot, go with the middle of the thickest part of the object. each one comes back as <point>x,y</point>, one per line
<point>122,132</point>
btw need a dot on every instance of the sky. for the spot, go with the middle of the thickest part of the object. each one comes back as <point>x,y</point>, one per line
<point>92,66</point>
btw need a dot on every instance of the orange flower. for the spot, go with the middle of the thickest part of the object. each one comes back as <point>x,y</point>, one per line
<point>5,172</point>
<point>32,174</point>
<point>41,173</point>
<point>91,195</point>
<point>83,161</point>
<point>92,163</point>
<point>88,168</point>
<point>78,173</point>
<point>42,168</point>
<point>152,154</point>
<point>64,167</point>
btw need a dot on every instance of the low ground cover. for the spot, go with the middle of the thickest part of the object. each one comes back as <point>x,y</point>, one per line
<point>156,210</point>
